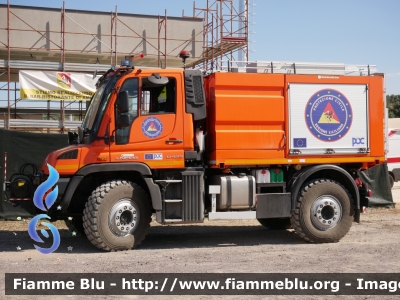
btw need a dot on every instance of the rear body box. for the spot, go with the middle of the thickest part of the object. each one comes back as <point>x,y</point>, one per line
<point>260,119</point>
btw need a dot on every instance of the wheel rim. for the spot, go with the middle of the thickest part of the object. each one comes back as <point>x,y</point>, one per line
<point>326,212</point>
<point>124,217</point>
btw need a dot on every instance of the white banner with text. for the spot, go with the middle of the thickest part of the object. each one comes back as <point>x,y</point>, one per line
<point>39,85</point>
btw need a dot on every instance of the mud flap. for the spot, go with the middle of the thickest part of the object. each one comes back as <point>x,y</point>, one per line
<point>377,180</point>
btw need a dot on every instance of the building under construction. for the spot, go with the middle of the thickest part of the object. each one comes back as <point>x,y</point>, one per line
<point>49,39</point>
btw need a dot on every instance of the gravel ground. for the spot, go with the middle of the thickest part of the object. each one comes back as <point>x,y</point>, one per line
<point>218,247</point>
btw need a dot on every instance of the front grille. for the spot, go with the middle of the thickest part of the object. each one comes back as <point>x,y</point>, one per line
<point>73,154</point>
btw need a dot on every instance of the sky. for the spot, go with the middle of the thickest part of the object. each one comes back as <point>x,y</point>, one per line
<point>356,32</point>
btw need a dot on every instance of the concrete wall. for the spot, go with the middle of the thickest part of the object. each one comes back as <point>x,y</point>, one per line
<point>180,32</point>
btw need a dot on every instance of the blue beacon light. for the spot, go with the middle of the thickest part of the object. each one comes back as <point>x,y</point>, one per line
<point>125,63</point>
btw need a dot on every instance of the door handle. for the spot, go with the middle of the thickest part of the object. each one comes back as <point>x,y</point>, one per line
<point>174,141</point>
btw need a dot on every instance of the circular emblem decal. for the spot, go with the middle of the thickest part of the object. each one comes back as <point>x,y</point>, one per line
<point>328,115</point>
<point>152,127</point>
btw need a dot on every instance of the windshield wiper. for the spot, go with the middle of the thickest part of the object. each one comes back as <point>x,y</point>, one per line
<point>102,78</point>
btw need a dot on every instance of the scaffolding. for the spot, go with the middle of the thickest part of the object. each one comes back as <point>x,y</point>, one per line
<point>216,33</point>
<point>225,34</point>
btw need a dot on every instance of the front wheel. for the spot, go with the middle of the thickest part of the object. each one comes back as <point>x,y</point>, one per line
<point>117,216</point>
<point>324,212</point>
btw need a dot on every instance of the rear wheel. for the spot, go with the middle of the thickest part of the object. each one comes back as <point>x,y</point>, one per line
<point>276,223</point>
<point>117,216</point>
<point>324,212</point>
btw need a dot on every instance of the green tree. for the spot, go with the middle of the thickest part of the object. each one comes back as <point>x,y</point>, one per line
<point>393,104</point>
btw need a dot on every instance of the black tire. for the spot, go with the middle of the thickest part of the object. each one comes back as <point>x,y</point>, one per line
<point>75,225</point>
<point>391,181</point>
<point>324,212</point>
<point>113,201</point>
<point>276,223</point>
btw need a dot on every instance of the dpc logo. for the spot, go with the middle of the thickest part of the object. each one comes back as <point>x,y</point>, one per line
<point>358,141</point>
<point>49,201</point>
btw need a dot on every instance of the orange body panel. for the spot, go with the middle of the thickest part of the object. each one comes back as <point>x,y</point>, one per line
<point>248,119</point>
<point>246,113</point>
<point>63,166</point>
<point>97,152</point>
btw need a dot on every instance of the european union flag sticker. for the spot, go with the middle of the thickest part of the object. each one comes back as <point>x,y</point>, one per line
<point>148,156</point>
<point>300,143</point>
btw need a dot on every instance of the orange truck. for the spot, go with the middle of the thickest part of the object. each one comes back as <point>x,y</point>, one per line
<point>181,146</point>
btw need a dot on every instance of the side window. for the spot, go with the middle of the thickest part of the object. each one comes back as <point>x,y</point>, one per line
<point>158,99</point>
<point>131,86</point>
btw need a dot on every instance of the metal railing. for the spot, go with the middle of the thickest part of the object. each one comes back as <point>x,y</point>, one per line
<point>45,124</point>
<point>305,68</point>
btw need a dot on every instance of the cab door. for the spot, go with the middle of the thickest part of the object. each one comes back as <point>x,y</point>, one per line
<point>155,132</point>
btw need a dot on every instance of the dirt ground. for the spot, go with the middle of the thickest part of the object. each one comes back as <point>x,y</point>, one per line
<point>372,246</point>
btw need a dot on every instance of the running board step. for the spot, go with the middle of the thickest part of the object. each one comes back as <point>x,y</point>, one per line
<point>232,215</point>
<point>169,180</point>
<point>172,220</point>
<point>172,200</point>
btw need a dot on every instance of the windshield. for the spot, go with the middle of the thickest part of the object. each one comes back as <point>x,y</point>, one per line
<point>98,105</point>
<point>94,104</point>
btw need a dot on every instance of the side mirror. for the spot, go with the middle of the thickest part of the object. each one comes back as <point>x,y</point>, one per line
<point>123,121</point>
<point>80,134</point>
<point>123,102</point>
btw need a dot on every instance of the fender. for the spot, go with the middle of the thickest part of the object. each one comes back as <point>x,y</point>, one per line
<point>303,175</point>
<point>109,167</point>
<point>143,169</point>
